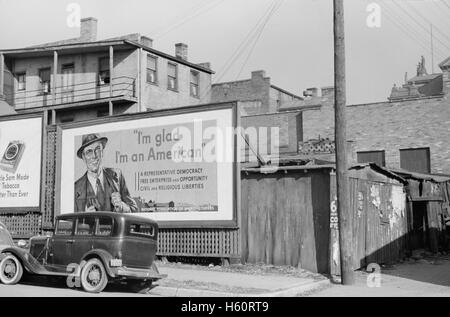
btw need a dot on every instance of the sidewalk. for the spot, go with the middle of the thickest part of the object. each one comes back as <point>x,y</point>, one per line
<point>198,282</point>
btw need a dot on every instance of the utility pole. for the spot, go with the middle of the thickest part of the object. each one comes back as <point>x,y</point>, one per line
<point>345,215</point>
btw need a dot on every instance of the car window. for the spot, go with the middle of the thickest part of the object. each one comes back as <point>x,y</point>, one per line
<point>104,226</point>
<point>64,227</point>
<point>141,229</point>
<point>85,226</point>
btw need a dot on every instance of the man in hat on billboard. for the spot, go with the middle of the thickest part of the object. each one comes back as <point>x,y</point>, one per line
<point>100,188</point>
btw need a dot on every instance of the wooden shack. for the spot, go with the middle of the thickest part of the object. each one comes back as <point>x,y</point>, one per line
<point>428,207</point>
<point>288,216</point>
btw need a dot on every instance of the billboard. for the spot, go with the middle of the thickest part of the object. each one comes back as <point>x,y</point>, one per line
<point>174,167</point>
<point>20,162</point>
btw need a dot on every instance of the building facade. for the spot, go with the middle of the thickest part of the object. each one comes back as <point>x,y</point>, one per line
<point>263,106</point>
<point>82,78</point>
<point>409,131</point>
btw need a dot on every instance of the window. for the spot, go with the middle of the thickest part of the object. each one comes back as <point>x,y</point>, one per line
<point>64,227</point>
<point>103,71</point>
<point>377,157</point>
<point>415,160</point>
<point>21,81</point>
<point>141,229</point>
<point>44,79</point>
<point>68,71</point>
<point>194,83</point>
<point>85,226</point>
<point>104,226</point>
<point>151,69</point>
<point>172,77</point>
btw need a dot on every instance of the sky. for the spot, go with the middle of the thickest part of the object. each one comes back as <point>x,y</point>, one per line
<point>292,40</point>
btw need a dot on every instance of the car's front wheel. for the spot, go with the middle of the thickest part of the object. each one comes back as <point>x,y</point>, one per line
<point>11,270</point>
<point>93,276</point>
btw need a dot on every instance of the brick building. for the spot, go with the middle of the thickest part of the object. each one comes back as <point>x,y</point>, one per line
<point>409,131</point>
<point>82,78</point>
<point>264,105</point>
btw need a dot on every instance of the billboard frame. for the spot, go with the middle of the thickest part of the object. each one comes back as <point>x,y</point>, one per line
<point>42,172</point>
<point>230,224</point>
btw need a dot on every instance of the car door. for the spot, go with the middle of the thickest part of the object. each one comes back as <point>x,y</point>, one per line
<point>83,238</point>
<point>60,248</point>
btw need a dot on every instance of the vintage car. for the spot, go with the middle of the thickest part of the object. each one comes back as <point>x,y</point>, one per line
<point>90,249</point>
<point>6,240</point>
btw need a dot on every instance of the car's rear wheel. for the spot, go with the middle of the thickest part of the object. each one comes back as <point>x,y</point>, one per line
<point>11,270</point>
<point>93,276</point>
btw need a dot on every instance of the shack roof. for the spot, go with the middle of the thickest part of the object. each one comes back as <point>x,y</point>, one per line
<point>268,169</point>
<point>379,169</point>
<point>420,176</point>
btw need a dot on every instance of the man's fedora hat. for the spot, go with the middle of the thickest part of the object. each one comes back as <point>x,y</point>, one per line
<point>88,139</point>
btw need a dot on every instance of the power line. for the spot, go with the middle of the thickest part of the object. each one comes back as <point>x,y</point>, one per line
<point>194,8</point>
<point>241,48</point>
<point>439,9</point>
<point>418,23</point>
<point>406,30</point>
<point>207,8</point>
<point>446,4</point>
<point>409,30</point>
<point>427,21</point>
<point>243,45</point>
<point>259,35</point>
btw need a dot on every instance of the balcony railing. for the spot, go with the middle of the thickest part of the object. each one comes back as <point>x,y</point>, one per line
<point>121,87</point>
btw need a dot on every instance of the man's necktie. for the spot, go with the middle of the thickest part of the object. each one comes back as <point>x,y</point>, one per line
<point>100,195</point>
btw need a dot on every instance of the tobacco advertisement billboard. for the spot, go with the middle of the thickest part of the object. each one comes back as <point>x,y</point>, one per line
<point>173,168</point>
<point>20,162</point>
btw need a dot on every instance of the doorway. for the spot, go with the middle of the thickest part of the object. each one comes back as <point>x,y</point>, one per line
<point>419,238</point>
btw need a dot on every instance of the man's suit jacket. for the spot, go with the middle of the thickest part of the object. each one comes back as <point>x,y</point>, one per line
<point>113,181</point>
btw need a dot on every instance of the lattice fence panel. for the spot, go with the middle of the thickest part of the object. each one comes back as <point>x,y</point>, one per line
<point>50,178</point>
<point>198,242</point>
<point>22,225</point>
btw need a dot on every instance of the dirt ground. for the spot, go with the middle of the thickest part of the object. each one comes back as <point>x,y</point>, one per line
<point>429,276</point>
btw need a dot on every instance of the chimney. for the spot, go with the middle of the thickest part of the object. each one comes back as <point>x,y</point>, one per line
<point>206,65</point>
<point>445,67</point>
<point>328,92</point>
<point>146,41</point>
<point>181,51</point>
<point>258,74</point>
<point>88,29</point>
<point>311,92</point>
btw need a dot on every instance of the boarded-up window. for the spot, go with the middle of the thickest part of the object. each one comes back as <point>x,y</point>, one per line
<point>415,160</point>
<point>376,157</point>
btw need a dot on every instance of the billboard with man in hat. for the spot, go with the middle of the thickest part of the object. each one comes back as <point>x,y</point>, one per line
<point>100,188</point>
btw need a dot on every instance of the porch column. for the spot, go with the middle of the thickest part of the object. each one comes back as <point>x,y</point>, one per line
<point>2,74</point>
<point>111,77</point>
<point>53,116</point>
<point>55,71</point>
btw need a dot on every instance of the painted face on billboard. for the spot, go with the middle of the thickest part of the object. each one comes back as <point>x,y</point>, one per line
<point>92,156</point>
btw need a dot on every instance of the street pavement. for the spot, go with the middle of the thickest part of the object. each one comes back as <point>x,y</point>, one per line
<point>38,286</point>
<point>423,278</point>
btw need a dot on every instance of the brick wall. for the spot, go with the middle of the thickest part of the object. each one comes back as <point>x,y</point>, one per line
<point>390,127</point>
<point>257,88</point>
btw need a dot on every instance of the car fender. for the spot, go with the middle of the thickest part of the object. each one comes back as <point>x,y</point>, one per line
<point>104,256</point>
<point>27,260</point>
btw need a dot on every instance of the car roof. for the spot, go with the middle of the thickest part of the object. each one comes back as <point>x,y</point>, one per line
<point>114,215</point>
